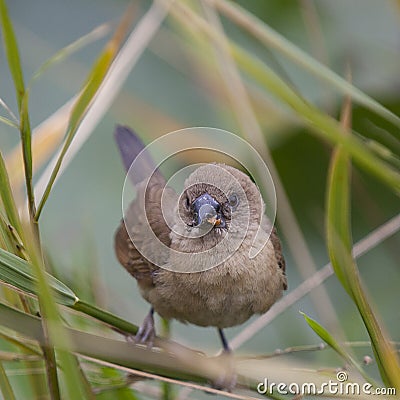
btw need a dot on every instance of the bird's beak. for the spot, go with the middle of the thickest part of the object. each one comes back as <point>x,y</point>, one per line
<point>206,210</point>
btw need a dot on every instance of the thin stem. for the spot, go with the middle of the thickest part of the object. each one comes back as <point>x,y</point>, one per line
<point>169,380</point>
<point>51,370</point>
<point>106,317</point>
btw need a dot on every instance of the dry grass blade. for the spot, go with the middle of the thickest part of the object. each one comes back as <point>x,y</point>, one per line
<point>14,119</point>
<point>9,122</point>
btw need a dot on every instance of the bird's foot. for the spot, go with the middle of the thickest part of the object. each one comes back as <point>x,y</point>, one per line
<point>146,333</point>
<point>228,378</point>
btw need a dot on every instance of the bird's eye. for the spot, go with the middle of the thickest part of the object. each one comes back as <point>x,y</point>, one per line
<point>233,200</point>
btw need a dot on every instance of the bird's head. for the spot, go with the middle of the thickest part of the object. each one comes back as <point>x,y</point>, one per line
<point>218,198</point>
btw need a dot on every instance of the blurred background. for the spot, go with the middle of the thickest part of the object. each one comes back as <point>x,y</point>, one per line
<point>177,83</point>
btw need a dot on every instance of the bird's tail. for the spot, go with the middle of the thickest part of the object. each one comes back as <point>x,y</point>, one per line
<point>130,146</point>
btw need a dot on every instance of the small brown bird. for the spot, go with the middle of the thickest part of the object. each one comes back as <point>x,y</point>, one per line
<point>191,254</point>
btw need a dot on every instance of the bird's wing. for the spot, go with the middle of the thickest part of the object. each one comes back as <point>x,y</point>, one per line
<point>136,220</point>
<point>279,256</point>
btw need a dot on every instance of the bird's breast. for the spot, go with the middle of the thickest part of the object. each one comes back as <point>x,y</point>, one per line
<point>223,296</point>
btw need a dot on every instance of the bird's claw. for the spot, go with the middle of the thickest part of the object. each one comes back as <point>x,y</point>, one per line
<point>146,333</point>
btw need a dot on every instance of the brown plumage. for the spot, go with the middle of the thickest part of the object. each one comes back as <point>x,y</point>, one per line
<point>225,295</point>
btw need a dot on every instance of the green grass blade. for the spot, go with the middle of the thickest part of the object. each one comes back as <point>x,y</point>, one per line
<point>96,34</point>
<point>17,272</point>
<point>8,198</point>
<point>331,342</point>
<point>92,84</point>
<point>26,140</point>
<point>325,336</point>
<point>11,47</point>
<point>339,244</point>
<point>273,39</point>
<point>5,385</point>
<point>339,212</point>
<point>14,63</point>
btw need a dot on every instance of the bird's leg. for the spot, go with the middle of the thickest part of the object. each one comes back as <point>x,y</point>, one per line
<point>226,381</point>
<point>146,332</point>
<point>225,344</point>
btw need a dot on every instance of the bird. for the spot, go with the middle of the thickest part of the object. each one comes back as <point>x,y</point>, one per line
<point>190,252</point>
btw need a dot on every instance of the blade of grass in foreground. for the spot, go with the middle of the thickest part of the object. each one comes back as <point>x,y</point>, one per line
<point>116,351</point>
<point>89,91</point>
<point>338,233</point>
<point>57,339</point>
<point>17,272</point>
<point>176,362</point>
